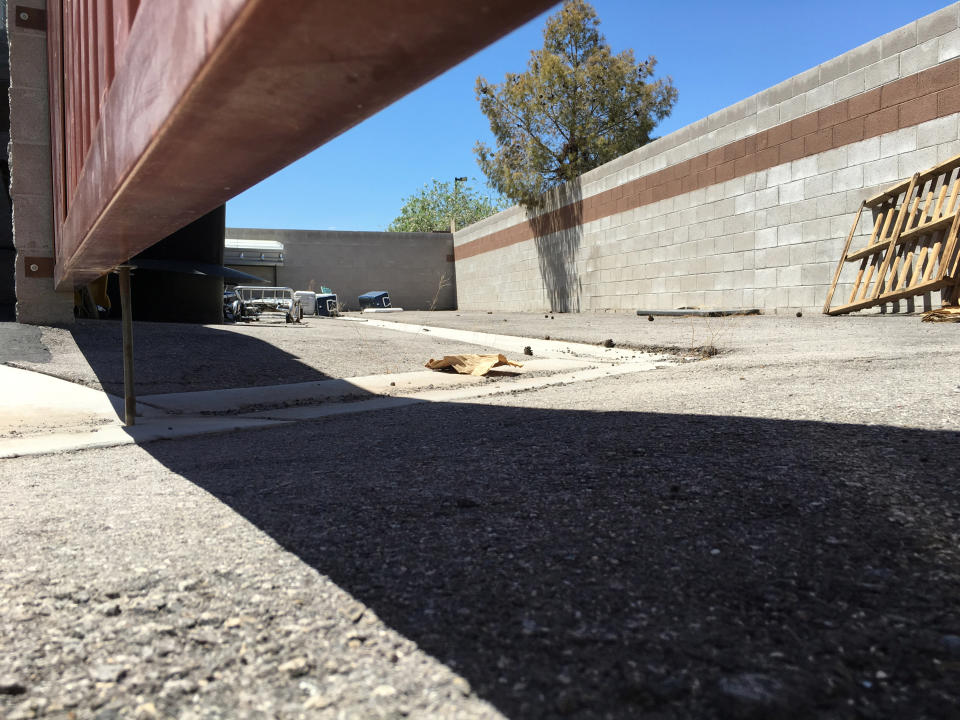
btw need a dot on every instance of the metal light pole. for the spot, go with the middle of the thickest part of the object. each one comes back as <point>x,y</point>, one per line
<point>126,307</point>
<point>456,190</point>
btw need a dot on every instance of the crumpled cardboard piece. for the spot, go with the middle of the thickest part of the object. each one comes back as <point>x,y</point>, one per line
<point>471,364</point>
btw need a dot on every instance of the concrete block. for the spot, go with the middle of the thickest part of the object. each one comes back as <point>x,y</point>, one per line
<point>863,55</point>
<point>788,276</point>
<point>803,253</point>
<point>937,131</point>
<point>898,142</point>
<point>813,230</point>
<point>764,298</point>
<point>948,150</point>
<point>793,108</point>
<point>724,244</point>
<point>791,192</point>
<point>916,161</point>
<point>744,241</point>
<point>819,273</point>
<point>766,237</point>
<point>863,151</point>
<point>835,68</point>
<point>801,297</point>
<point>937,23</point>
<point>734,187</point>
<point>803,168</point>
<point>768,118</point>
<point>919,58</point>
<point>850,85</point>
<point>33,223</point>
<point>848,178</point>
<point>881,172</point>
<point>833,160</point>
<point>30,169</point>
<point>830,205</point>
<point>778,215</point>
<point>28,61</point>
<point>818,185</point>
<point>776,94</point>
<point>767,198</point>
<point>745,203</point>
<point>949,46</point>
<point>789,233</point>
<point>29,116</point>
<point>713,193</point>
<point>803,210</point>
<point>714,299</point>
<point>821,97</point>
<point>881,73</point>
<point>765,278</point>
<point>778,175</point>
<point>898,40</point>
<point>806,81</point>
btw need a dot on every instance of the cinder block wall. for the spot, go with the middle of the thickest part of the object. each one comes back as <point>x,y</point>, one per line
<point>410,266</point>
<point>30,179</point>
<point>749,207</point>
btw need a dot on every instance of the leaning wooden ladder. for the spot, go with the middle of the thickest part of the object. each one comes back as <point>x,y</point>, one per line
<point>913,248</point>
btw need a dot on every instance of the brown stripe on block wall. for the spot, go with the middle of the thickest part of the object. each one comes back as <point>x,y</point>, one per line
<point>906,102</point>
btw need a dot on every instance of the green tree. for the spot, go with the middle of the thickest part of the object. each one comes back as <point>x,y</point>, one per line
<point>432,207</point>
<point>576,107</point>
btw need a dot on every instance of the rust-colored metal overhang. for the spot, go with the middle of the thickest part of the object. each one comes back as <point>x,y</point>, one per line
<point>204,99</point>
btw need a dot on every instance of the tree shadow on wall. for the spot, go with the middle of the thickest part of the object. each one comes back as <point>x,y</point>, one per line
<point>557,236</point>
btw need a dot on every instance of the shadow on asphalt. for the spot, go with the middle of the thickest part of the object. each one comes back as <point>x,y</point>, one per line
<point>623,564</point>
<point>174,357</point>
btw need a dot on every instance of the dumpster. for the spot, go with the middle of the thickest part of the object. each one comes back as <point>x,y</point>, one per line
<point>327,304</point>
<point>374,299</point>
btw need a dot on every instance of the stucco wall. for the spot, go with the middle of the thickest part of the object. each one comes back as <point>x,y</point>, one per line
<point>748,207</point>
<point>409,266</point>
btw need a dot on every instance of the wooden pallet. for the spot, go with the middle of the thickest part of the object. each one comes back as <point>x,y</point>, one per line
<point>913,248</point>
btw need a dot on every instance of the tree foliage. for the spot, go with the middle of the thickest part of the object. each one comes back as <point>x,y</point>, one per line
<point>576,107</point>
<point>433,205</point>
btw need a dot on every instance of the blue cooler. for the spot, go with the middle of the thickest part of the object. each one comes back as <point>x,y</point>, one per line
<point>374,299</point>
<point>327,304</point>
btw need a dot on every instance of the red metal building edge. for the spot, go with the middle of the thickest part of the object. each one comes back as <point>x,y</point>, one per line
<point>180,105</point>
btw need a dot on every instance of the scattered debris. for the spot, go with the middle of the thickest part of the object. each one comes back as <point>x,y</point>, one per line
<point>948,313</point>
<point>650,318</point>
<point>799,314</point>
<point>608,343</point>
<point>471,364</point>
<point>527,350</point>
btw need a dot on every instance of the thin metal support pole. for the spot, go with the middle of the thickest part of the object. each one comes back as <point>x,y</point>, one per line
<point>130,399</point>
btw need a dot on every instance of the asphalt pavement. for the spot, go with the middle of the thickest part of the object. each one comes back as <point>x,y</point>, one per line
<point>759,518</point>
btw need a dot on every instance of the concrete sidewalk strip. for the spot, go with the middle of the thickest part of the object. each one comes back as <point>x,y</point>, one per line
<point>457,394</point>
<point>207,401</point>
<point>29,395</point>
<point>116,435</point>
<point>514,343</point>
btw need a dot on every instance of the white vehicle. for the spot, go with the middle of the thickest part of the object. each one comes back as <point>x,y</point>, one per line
<point>272,299</point>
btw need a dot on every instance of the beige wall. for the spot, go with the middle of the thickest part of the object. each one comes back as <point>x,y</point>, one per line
<point>407,265</point>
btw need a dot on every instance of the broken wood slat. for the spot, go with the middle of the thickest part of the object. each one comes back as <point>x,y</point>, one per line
<point>895,235</point>
<point>893,296</point>
<point>836,275</point>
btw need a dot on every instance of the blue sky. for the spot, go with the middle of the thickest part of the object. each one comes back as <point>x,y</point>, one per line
<point>717,54</point>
